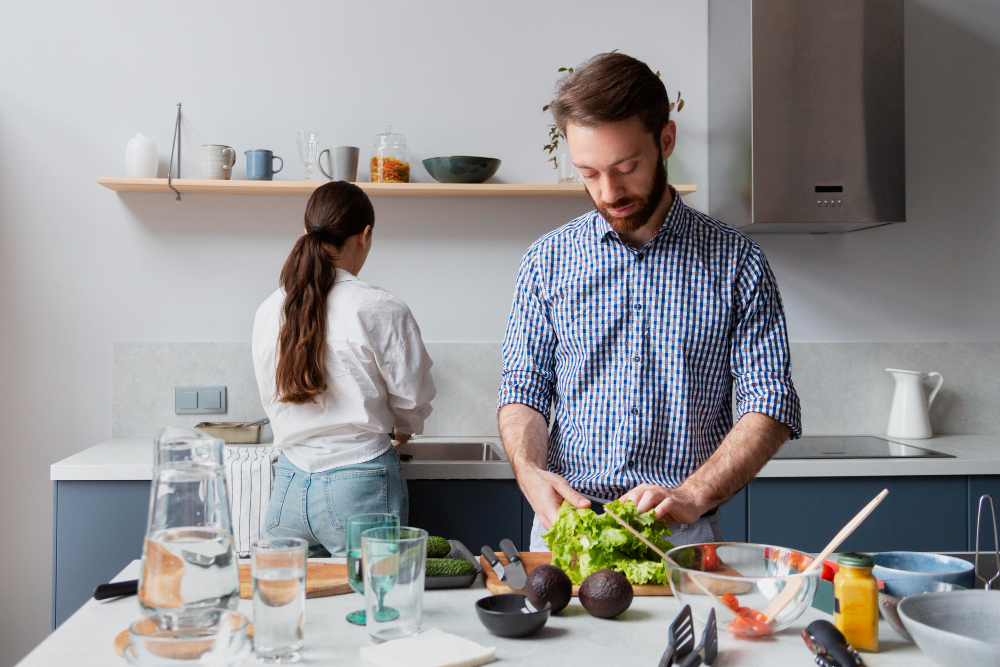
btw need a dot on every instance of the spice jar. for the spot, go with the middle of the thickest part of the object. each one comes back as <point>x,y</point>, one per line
<point>855,601</point>
<point>390,158</point>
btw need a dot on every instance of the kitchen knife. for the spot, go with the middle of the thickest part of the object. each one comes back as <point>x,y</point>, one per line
<point>515,568</point>
<point>494,562</point>
<point>117,589</point>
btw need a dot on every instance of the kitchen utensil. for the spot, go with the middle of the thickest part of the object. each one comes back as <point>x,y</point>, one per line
<point>217,162</point>
<point>141,160</point>
<point>188,557</point>
<point>461,168</point>
<point>988,583</point>
<point>924,567</point>
<point>510,615</point>
<point>278,567</point>
<point>308,144</point>
<point>117,589</point>
<point>894,590</point>
<point>394,567</point>
<point>680,638</point>
<point>514,570</point>
<point>260,164</point>
<point>458,550</point>
<point>493,562</point>
<point>909,415</point>
<point>955,629</point>
<point>789,591</point>
<point>343,161</point>
<point>705,652</point>
<point>830,646</point>
<point>356,525</point>
<point>192,637</point>
<point>322,580</point>
<point>390,158</point>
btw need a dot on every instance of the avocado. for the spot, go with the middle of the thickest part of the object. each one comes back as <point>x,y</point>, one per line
<point>437,547</point>
<point>548,583</point>
<point>447,567</point>
<point>606,593</point>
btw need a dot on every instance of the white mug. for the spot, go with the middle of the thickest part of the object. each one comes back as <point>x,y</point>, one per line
<point>217,162</point>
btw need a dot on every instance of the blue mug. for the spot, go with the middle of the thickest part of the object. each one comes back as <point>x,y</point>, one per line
<point>260,164</point>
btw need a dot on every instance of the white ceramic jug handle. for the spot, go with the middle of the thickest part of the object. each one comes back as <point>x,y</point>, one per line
<point>934,392</point>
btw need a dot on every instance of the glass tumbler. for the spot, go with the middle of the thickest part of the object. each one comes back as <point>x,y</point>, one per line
<point>356,525</point>
<point>393,567</point>
<point>278,567</point>
<point>567,170</point>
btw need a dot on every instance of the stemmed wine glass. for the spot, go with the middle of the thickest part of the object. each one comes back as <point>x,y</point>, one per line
<point>308,143</point>
<point>356,525</point>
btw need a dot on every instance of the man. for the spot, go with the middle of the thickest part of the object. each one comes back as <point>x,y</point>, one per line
<point>637,320</point>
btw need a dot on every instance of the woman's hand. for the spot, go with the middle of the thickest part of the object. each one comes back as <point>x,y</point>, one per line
<point>401,439</point>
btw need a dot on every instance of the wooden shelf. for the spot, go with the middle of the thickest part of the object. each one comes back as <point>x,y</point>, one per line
<point>186,185</point>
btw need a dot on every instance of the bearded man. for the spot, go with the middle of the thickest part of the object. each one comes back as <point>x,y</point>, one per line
<point>636,322</point>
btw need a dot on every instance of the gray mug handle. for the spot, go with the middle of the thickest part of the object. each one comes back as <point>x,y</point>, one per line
<point>329,158</point>
<point>273,158</point>
<point>232,161</point>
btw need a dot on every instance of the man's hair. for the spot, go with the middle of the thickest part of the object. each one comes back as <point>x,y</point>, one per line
<point>611,87</point>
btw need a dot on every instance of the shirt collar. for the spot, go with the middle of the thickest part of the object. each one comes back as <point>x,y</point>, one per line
<point>676,221</point>
<point>345,276</point>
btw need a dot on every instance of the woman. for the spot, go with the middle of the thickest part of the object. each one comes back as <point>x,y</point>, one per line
<point>340,364</point>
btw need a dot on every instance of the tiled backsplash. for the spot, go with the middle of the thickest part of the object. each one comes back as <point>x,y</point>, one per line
<point>843,386</point>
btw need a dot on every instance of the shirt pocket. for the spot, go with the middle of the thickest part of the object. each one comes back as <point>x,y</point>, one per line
<point>355,492</point>
<point>282,480</point>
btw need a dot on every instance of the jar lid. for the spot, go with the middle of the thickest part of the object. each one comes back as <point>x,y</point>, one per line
<point>854,559</point>
<point>390,138</point>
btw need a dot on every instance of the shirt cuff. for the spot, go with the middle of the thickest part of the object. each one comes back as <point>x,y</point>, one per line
<point>527,388</point>
<point>775,398</point>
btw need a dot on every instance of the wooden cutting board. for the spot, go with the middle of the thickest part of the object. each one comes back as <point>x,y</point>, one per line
<point>533,559</point>
<point>322,579</point>
<point>122,639</point>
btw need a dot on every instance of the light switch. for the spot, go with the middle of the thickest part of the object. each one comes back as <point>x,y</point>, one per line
<point>199,400</point>
<point>186,400</point>
<point>210,400</point>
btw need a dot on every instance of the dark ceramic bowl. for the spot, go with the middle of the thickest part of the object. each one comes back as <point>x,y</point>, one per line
<point>509,616</point>
<point>461,168</point>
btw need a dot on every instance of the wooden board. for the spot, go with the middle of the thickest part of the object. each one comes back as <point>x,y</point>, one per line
<point>322,579</point>
<point>122,639</point>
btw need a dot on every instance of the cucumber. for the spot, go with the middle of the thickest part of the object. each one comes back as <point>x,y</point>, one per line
<point>437,547</point>
<point>445,567</point>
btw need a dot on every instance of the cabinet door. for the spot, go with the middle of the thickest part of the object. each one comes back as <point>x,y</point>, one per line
<point>733,514</point>
<point>919,514</point>
<point>476,512</point>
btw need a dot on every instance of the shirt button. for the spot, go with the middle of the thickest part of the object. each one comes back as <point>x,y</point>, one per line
<point>636,358</point>
<point>631,463</point>
<point>638,306</point>
<point>635,411</point>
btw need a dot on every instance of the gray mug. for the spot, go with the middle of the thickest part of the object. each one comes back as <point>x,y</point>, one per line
<point>343,162</point>
<point>217,162</point>
<point>260,164</point>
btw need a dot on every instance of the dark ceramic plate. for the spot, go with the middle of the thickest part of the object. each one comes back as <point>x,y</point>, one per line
<point>461,168</point>
<point>458,550</point>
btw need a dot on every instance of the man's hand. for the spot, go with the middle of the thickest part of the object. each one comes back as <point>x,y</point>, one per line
<point>546,491</point>
<point>673,505</point>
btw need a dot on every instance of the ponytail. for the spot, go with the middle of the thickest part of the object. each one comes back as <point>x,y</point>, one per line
<point>335,212</point>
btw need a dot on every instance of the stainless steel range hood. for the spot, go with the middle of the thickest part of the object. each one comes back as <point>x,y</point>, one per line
<point>806,114</point>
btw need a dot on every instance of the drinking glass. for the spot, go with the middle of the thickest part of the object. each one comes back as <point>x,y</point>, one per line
<point>356,525</point>
<point>278,568</point>
<point>308,143</point>
<point>567,170</point>
<point>393,567</point>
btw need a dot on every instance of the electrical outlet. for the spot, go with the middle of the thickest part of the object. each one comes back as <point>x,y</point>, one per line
<point>199,400</point>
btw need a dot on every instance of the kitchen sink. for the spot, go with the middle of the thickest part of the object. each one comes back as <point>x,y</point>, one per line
<point>424,450</point>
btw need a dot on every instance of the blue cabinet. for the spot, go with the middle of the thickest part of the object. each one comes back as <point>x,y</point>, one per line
<point>977,487</point>
<point>474,511</point>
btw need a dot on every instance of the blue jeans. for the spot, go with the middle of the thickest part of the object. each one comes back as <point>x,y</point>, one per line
<point>315,506</point>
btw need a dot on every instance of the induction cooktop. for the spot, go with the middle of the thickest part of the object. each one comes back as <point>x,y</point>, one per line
<point>852,447</point>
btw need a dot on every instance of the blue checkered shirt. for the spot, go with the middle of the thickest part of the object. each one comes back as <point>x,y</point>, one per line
<point>640,348</point>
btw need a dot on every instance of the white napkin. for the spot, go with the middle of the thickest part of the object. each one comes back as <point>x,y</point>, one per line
<point>431,648</point>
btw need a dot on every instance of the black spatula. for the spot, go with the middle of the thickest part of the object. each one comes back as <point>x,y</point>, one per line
<point>680,638</point>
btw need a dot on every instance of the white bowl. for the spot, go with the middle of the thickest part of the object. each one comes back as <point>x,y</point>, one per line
<point>956,629</point>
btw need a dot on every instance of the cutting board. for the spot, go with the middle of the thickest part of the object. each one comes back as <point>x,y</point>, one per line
<point>322,579</point>
<point>533,559</point>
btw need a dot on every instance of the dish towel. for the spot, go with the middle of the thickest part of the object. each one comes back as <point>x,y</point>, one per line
<point>431,648</point>
<point>248,471</point>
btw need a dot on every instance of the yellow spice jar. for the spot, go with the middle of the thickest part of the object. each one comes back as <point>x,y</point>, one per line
<point>855,601</point>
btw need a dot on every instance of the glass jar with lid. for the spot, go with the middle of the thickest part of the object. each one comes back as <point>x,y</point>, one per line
<point>390,158</point>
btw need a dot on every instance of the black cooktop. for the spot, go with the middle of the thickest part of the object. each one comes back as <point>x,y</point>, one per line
<point>852,447</point>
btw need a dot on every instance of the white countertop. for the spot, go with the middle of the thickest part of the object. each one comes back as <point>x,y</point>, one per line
<point>574,637</point>
<point>131,459</point>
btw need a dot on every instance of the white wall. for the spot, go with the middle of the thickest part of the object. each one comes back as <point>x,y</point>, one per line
<point>82,267</point>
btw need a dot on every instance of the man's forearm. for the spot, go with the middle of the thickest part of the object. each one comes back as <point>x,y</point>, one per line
<point>525,437</point>
<point>750,444</point>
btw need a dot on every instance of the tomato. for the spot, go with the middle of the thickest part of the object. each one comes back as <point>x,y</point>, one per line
<point>749,623</point>
<point>740,626</point>
<point>828,571</point>
<point>730,601</point>
<point>745,612</point>
<point>806,562</point>
<point>794,560</point>
<point>710,559</point>
<point>761,627</point>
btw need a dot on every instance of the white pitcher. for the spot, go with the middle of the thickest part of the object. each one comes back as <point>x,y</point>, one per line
<point>909,417</point>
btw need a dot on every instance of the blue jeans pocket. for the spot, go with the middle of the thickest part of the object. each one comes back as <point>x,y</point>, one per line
<point>282,479</point>
<point>355,492</point>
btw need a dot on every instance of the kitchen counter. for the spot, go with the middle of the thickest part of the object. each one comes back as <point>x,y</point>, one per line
<point>574,637</point>
<point>131,459</point>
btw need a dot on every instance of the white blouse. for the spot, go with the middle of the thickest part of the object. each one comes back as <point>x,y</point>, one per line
<point>377,374</point>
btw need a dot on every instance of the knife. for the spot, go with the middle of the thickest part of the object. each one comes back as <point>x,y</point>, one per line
<point>494,562</point>
<point>516,577</point>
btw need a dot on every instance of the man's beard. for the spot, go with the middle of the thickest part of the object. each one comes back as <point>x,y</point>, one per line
<point>645,205</point>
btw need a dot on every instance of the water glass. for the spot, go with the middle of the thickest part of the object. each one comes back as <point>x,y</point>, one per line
<point>308,143</point>
<point>356,525</point>
<point>567,170</point>
<point>393,568</point>
<point>278,567</point>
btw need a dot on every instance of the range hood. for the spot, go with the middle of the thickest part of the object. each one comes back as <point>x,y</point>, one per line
<point>806,117</point>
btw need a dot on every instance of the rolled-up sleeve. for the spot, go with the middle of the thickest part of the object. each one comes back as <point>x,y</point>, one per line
<point>408,379</point>
<point>761,363</point>
<point>530,344</point>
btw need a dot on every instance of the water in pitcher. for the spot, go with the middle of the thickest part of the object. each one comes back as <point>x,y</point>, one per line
<point>279,602</point>
<point>189,568</point>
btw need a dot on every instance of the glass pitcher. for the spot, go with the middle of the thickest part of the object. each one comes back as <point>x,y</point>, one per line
<point>188,557</point>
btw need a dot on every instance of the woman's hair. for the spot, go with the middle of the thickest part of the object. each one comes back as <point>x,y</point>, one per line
<point>335,212</point>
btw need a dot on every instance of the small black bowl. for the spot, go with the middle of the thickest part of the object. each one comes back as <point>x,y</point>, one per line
<point>508,615</point>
